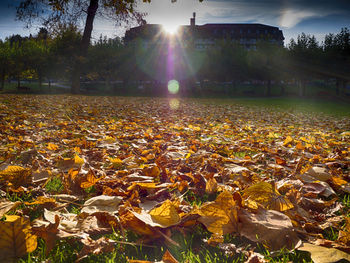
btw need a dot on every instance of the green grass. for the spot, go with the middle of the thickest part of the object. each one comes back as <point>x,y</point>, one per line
<point>55,185</point>
<point>291,105</point>
<point>191,249</point>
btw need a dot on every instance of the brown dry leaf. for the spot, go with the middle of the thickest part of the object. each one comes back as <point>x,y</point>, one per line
<point>323,254</point>
<point>269,227</point>
<point>95,247</point>
<point>220,216</point>
<point>16,175</point>
<point>139,261</point>
<point>6,206</point>
<point>48,233</point>
<point>152,171</point>
<point>102,203</point>
<point>16,238</point>
<point>319,173</point>
<point>130,220</point>
<point>211,186</point>
<point>167,258</point>
<point>344,235</point>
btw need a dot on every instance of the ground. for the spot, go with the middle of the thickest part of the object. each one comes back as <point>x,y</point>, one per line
<point>117,179</point>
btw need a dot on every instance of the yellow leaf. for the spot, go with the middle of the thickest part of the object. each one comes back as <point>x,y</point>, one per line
<point>116,162</point>
<point>338,181</point>
<point>16,175</point>
<point>152,171</point>
<point>109,139</point>
<point>52,146</point>
<point>287,141</point>
<point>78,160</point>
<point>211,186</point>
<point>260,192</point>
<point>166,214</point>
<point>266,195</point>
<point>321,254</point>
<point>16,239</point>
<point>220,216</point>
<point>41,200</point>
<point>77,150</point>
<point>143,186</point>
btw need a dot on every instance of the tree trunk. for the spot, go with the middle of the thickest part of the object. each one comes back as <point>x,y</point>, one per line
<point>85,42</point>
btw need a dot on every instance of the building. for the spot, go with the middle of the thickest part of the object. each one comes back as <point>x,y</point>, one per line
<point>205,36</point>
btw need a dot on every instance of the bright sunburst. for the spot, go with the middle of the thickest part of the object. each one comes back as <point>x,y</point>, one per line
<point>170,28</point>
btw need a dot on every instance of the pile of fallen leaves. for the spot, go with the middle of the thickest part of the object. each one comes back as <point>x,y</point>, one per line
<point>135,164</point>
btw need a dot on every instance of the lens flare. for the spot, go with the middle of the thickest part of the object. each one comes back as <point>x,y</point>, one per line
<point>173,86</point>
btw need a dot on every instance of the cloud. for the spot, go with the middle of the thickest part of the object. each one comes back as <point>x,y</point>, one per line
<point>289,18</point>
<point>286,14</point>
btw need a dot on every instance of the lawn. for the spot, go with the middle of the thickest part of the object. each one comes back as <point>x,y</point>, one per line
<point>127,179</point>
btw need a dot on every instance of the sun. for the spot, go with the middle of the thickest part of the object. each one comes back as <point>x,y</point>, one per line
<point>170,28</point>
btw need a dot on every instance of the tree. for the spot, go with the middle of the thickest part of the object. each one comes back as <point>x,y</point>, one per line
<point>305,59</point>
<point>337,57</point>
<point>53,11</point>
<point>105,59</point>
<point>4,62</point>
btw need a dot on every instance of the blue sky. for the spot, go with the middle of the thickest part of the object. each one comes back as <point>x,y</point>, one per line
<point>316,17</point>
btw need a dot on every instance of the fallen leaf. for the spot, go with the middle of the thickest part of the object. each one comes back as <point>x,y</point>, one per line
<point>52,146</point>
<point>95,247</point>
<point>220,216</point>
<point>16,238</point>
<point>265,194</point>
<point>319,173</point>
<point>101,203</point>
<point>48,233</point>
<point>269,227</point>
<point>16,175</point>
<point>323,254</point>
<point>166,214</point>
<point>6,206</point>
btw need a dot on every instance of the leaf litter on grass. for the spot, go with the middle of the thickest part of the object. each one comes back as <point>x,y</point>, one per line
<point>269,178</point>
